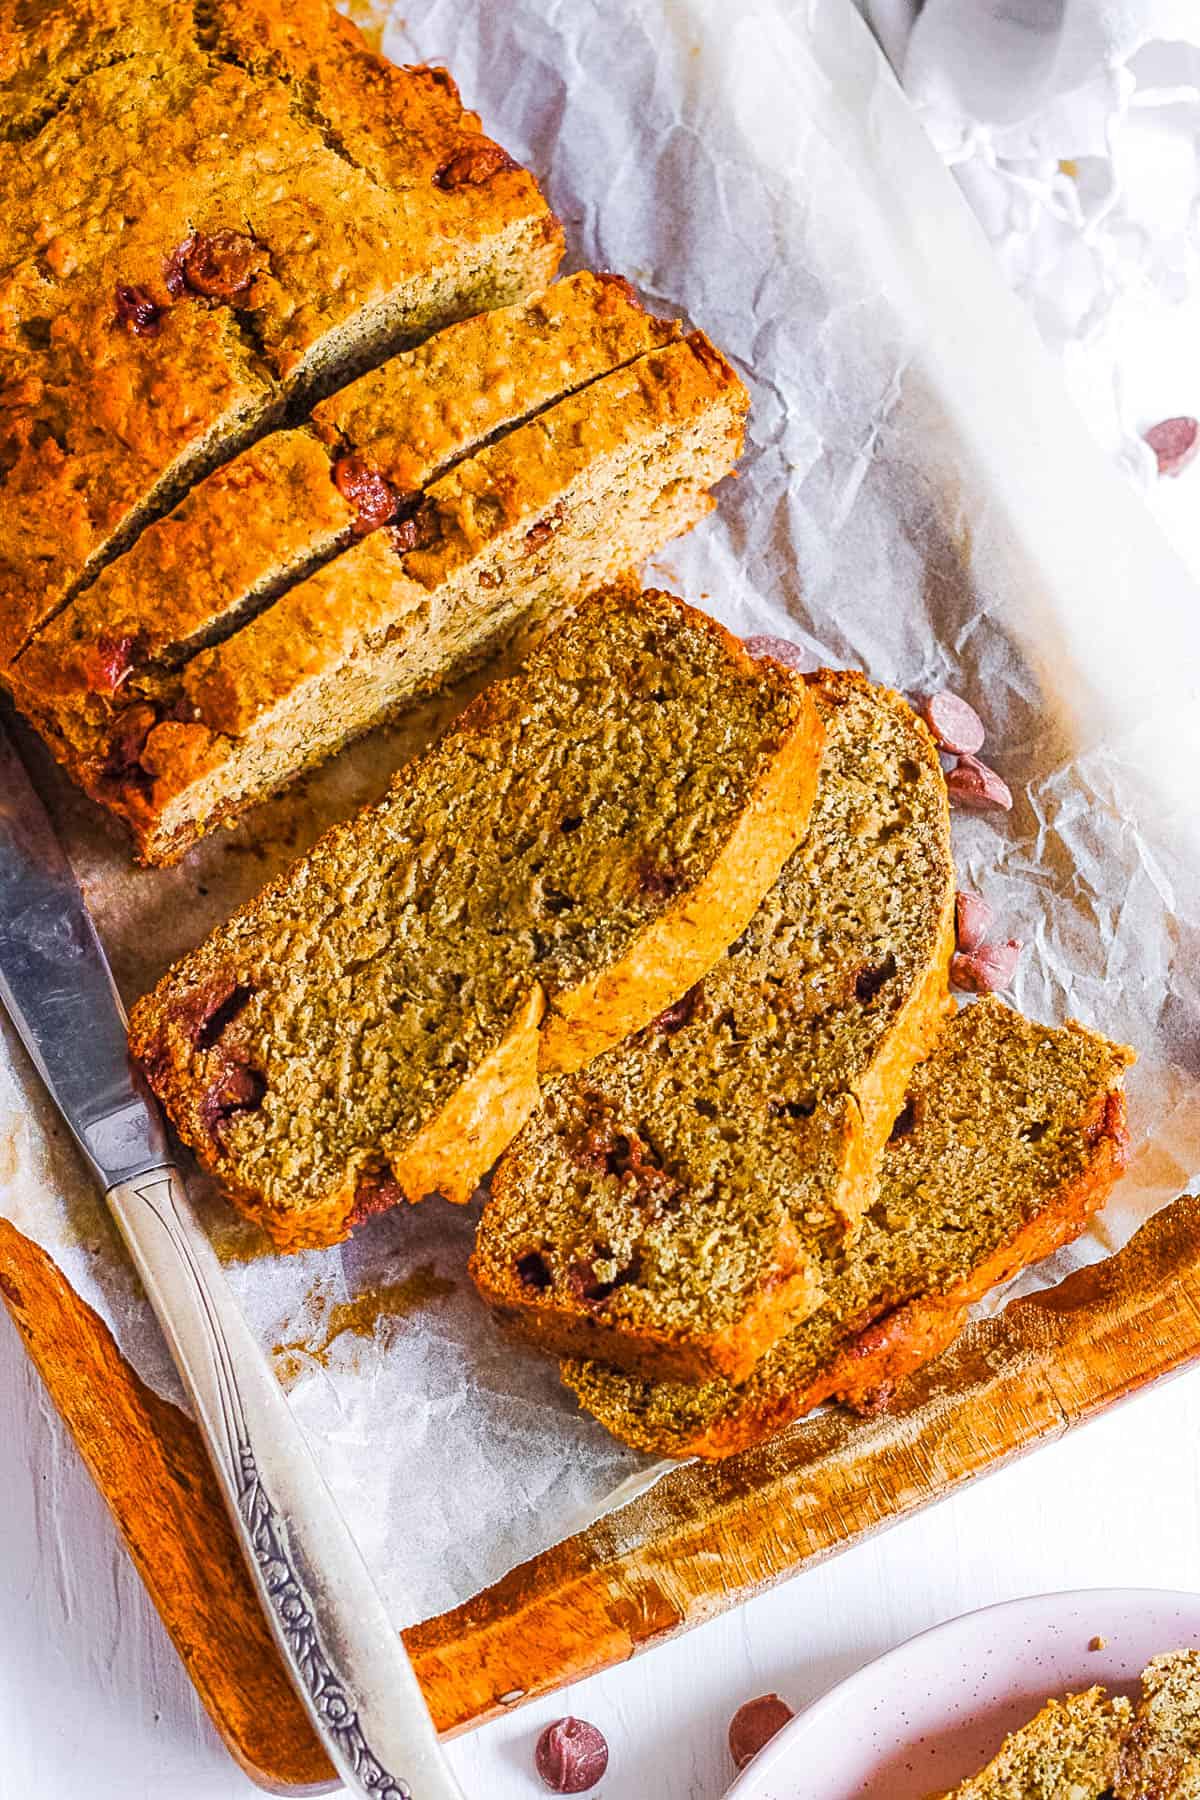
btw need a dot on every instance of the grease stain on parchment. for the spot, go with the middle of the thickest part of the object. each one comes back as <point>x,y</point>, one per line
<point>390,1301</point>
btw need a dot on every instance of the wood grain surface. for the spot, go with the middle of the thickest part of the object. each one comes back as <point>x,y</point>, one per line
<point>702,1540</point>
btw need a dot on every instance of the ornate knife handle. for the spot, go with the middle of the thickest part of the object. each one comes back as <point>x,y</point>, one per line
<point>347,1661</point>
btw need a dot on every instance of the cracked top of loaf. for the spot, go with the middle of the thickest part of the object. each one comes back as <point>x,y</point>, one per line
<point>207,215</point>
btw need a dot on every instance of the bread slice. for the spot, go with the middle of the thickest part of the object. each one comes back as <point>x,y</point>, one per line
<point>1068,1752</point>
<point>189,245</point>
<point>1160,1757</point>
<point>575,497</point>
<point>109,668</point>
<point>563,862</point>
<point>1011,1136</point>
<point>673,1210</point>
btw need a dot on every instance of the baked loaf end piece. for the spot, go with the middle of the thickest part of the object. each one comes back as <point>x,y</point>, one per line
<point>188,681</point>
<point>1011,1136</point>
<point>1160,1758</point>
<point>673,1210</point>
<point>1069,1751</point>
<point>564,861</point>
<point>189,245</point>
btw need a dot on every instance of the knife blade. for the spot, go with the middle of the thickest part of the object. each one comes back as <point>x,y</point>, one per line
<point>347,1662</point>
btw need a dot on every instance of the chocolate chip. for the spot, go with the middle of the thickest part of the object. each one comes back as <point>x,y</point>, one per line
<point>533,1271</point>
<point>237,1089</point>
<point>216,265</point>
<point>108,662</point>
<point>954,723</point>
<point>782,650</point>
<point>373,498</point>
<point>754,1725</point>
<point>674,1017</point>
<point>973,784</point>
<point>904,1121</point>
<point>986,970</point>
<point>571,1756</point>
<point>972,918</point>
<point>138,311</point>
<point>871,978</point>
<point>221,1015</point>
<point>1175,443</point>
<point>471,166</point>
<point>375,1191</point>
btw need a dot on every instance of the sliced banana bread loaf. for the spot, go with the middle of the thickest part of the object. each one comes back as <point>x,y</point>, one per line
<point>1012,1134</point>
<point>563,862</point>
<point>674,1209</point>
<point>173,745</point>
<point>1160,1758</point>
<point>1069,1751</point>
<point>189,242</point>
<point>173,742</point>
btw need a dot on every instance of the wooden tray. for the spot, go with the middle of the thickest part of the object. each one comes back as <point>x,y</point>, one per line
<point>703,1539</point>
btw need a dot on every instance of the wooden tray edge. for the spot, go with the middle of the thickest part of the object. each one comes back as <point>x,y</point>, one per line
<point>703,1539</point>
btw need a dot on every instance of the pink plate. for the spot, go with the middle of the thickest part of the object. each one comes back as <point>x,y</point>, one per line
<point>928,1714</point>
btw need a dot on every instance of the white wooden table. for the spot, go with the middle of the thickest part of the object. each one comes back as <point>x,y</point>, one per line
<point>94,1703</point>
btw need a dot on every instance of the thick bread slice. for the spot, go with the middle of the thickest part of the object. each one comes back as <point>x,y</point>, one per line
<point>1012,1135</point>
<point>673,1211</point>
<point>579,495</point>
<point>370,1027</point>
<point>1069,1751</point>
<point>1160,1758</point>
<point>187,245</point>
<point>106,668</point>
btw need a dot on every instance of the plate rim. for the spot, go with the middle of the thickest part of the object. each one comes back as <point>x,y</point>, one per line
<point>775,1750</point>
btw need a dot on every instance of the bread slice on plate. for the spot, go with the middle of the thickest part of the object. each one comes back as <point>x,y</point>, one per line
<point>1010,1137</point>
<point>212,214</point>
<point>251,632</point>
<point>1070,1751</point>
<point>1160,1757</point>
<point>675,1209</point>
<point>566,860</point>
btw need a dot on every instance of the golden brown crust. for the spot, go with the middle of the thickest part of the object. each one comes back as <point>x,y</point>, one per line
<point>186,243</point>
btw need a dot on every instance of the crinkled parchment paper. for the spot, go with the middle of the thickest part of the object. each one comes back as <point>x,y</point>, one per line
<point>919,499</point>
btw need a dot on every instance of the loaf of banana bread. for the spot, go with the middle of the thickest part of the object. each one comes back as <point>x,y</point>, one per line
<point>563,862</point>
<point>674,1209</point>
<point>515,459</point>
<point>210,213</point>
<point>1011,1136</point>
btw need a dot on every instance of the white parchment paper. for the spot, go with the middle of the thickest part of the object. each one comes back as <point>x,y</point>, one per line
<point>919,499</point>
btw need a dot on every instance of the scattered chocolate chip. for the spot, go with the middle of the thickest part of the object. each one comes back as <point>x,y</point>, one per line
<point>471,166</point>
<point>973,784</point>
<point>571,1756</point>
<point>138,311</point>
<point>107,663</point>
<point>1175,442</point>
<point>585,1285</point>
<point>754,1725</point>
<point>954,723</point>
<point>373,498</point>
<point>532,1270</point>
<point>538,535</point>
<point>972,919</point>
<point>217,265</point>
<point>986,970</point>
<point>657,881</point>
<point>682,1011</point>
<point>782,650</point>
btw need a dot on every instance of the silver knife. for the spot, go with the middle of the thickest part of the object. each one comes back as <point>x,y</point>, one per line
<point>346,1660</point>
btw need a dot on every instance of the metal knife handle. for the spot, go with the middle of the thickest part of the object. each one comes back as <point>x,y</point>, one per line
<point>346,1659</point>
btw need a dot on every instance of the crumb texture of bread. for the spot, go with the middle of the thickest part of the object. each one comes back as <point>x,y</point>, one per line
<point>368,1028</point>
<point>675,1210</point>
<point>514,461</point>
<point>1010,1137</point>
<point>210,215</point>
<point>1160,1756</point>
<point>1070,1751</point>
